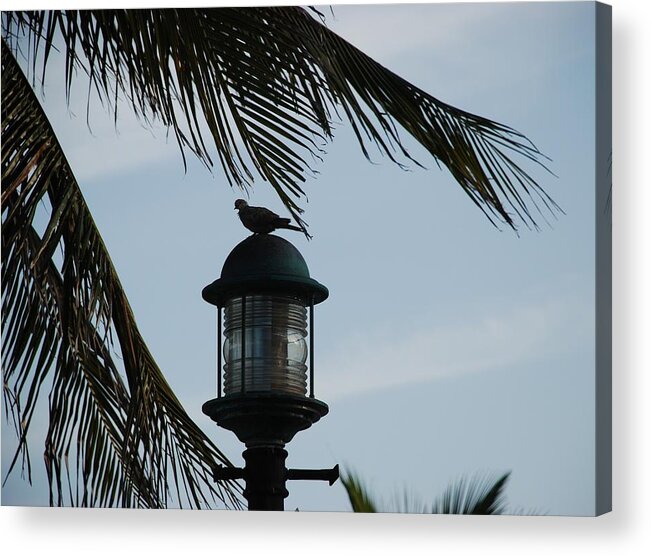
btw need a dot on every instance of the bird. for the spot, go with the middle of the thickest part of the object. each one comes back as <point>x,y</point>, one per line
<point>261,220</point>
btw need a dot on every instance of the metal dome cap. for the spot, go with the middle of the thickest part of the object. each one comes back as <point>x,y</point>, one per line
<point>265,263</point>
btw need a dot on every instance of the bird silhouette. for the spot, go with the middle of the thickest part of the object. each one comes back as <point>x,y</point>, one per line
<point>261,220</point>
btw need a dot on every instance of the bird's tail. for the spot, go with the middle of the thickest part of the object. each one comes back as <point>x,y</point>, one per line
<point>285,223</point>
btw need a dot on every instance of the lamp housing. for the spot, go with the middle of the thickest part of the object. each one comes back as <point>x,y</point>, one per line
<point>266,294</point>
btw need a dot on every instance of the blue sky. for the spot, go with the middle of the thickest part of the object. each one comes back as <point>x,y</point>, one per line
<point>447,347</point>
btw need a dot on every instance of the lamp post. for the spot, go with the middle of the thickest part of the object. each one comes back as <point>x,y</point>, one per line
<point>264,394</point>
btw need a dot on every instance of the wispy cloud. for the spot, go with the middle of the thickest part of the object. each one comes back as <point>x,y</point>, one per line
<point>435,46</point>
<point>108,152</point>
<point>389,32</point>
<point>394,356</point>
<point>95,144</point>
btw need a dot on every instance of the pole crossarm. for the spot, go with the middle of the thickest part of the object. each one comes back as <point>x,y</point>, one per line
<point>330,475</point>
<point>225,473</point>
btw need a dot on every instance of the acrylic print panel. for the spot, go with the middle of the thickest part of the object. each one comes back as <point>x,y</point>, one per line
<point>455,354</point>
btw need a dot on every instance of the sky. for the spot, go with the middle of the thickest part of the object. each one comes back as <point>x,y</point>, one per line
<point>447,347</point>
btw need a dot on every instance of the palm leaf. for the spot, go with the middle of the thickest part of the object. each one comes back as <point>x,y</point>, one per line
<point>107,444</point>
<point>267,84</point>
<point>360,500</point>
<point>476,495</point>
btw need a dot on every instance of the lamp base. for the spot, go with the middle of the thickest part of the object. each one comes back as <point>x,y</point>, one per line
<point>265,418</point>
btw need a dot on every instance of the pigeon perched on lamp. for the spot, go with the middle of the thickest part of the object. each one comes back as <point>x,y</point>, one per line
<point>261,220</point>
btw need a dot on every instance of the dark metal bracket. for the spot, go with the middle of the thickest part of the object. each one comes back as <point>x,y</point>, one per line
<point>225,473</point>
<point>330,475</point>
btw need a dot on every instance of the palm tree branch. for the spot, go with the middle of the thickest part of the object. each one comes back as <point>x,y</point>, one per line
<point>60,318</point>
<point>477,495</point>
<point>358,495</point>
<point>243,73</point>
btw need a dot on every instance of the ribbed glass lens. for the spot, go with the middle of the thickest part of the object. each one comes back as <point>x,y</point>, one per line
<point>276,351</point>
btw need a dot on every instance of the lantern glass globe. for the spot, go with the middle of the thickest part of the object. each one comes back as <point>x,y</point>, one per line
<point>275,350</point>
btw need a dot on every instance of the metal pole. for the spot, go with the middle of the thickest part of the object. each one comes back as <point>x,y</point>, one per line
<point>265,476</point>
<point>219,352</point>
<point>243,359</point>
<point>311,348</point>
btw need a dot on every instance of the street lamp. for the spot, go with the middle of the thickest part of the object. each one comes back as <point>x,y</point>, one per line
<point>265,293</point>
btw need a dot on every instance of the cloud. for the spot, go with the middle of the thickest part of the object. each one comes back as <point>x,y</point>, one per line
<point>94,144</point>
<point>466,53</point>
<point>393,356</point>
<point>388,32</point>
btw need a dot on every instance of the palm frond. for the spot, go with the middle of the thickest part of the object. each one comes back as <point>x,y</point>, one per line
<point>107,444</point>
<point>268,83</point>
<point>478,495</point>
<point>358,495</point>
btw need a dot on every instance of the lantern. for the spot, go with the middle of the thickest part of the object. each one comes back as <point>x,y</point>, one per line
<point>265,361</point>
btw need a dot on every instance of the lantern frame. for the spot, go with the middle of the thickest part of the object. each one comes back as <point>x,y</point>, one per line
<point>264,265</point>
